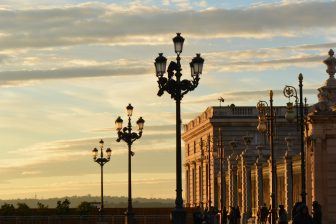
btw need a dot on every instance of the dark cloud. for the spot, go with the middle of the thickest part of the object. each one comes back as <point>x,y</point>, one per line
<point>100,23</point>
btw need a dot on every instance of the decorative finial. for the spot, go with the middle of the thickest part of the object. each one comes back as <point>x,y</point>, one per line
<point>331,64</point>
<point>331,52</point>
<point>300,77</point>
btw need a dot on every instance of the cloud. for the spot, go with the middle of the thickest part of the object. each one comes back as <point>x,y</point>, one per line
<point>72,149</point>
<point>224,61</point>
<point>3,58</point>
<point>99,23</point>
<point>270,64</point>
<point>240,96</point>
<point>268,58</point>
<point>19,77</point>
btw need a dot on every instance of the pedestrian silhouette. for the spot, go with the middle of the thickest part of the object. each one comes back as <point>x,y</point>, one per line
<point>317,213</point>
<point>283,216</point>
<point>303,217</point>
<point>263,214</point>
<point>197,215</point>
<point>224,216</point>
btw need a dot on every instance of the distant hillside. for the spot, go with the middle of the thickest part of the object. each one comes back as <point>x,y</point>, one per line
<point>110,202</point>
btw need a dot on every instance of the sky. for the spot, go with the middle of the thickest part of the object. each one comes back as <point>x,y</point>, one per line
<point>68,69</point>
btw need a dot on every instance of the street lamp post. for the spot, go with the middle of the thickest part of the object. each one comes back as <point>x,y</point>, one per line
<point>177,88</point>
<point>127,135</point>
<point>101,160</point>
<point>266,114</point>
<point>290,91</point>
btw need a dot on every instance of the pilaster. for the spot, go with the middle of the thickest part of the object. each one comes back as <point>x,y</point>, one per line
<point>247,159</point>
<point>259,178</point>
<point>187,187</point>
<point>233,177</point>
<point>199,165</point>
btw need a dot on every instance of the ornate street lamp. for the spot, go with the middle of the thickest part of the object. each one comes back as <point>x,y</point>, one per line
<point>290,91</point>
<point>101,160</point>
<point>266,116</point>
<point>127,135</point>
<point>177,88</point>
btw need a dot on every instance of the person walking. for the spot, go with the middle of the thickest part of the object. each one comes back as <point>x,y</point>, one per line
<point>205,217</point>
<point>263,214</point>
<point>283,216</point>
<point>224,216</point>
<point>317,213</point>
<point>197,215</point>
<point>231,215</point>
<point>295,209</point>
<point>303,217</point>
<point>212,214</point>
<point>237,221</point>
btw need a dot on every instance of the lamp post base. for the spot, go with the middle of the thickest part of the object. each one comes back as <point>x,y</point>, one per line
<point>129,217</point>
<point>178,216</point>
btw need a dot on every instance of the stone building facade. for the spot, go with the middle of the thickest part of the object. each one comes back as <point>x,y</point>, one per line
<point>246,164</point>
<point>321,143</point>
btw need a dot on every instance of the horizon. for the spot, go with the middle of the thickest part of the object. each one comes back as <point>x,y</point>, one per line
<point>109,201</point>
<point>69,68</point>
<point>79,196</point>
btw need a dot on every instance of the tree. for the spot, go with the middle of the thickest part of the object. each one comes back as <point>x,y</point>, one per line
<point>23,209</point>
<point>85,208</point>
<point>63,207</point>
<point>7,209</point>
<point>41,205</point>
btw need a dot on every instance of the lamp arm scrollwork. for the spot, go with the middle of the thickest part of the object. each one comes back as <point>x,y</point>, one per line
<point>290,91</point>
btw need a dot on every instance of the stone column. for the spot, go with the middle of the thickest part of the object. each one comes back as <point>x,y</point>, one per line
<point>223,183</point>
<point>235,185</point>
<point>259,178</point>
<point>206,184</point>
<point>233,182</point>
<point>199,165</point>
<point>248,199</point>
<point>246,159</point>
<point>193,179</point>
<point>289,177</point>
<point>243,187</point>
<point>232,172</point>
<point>187,186</point>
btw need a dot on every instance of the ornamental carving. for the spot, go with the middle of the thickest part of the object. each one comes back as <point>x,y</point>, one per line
<point>327,93</point>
